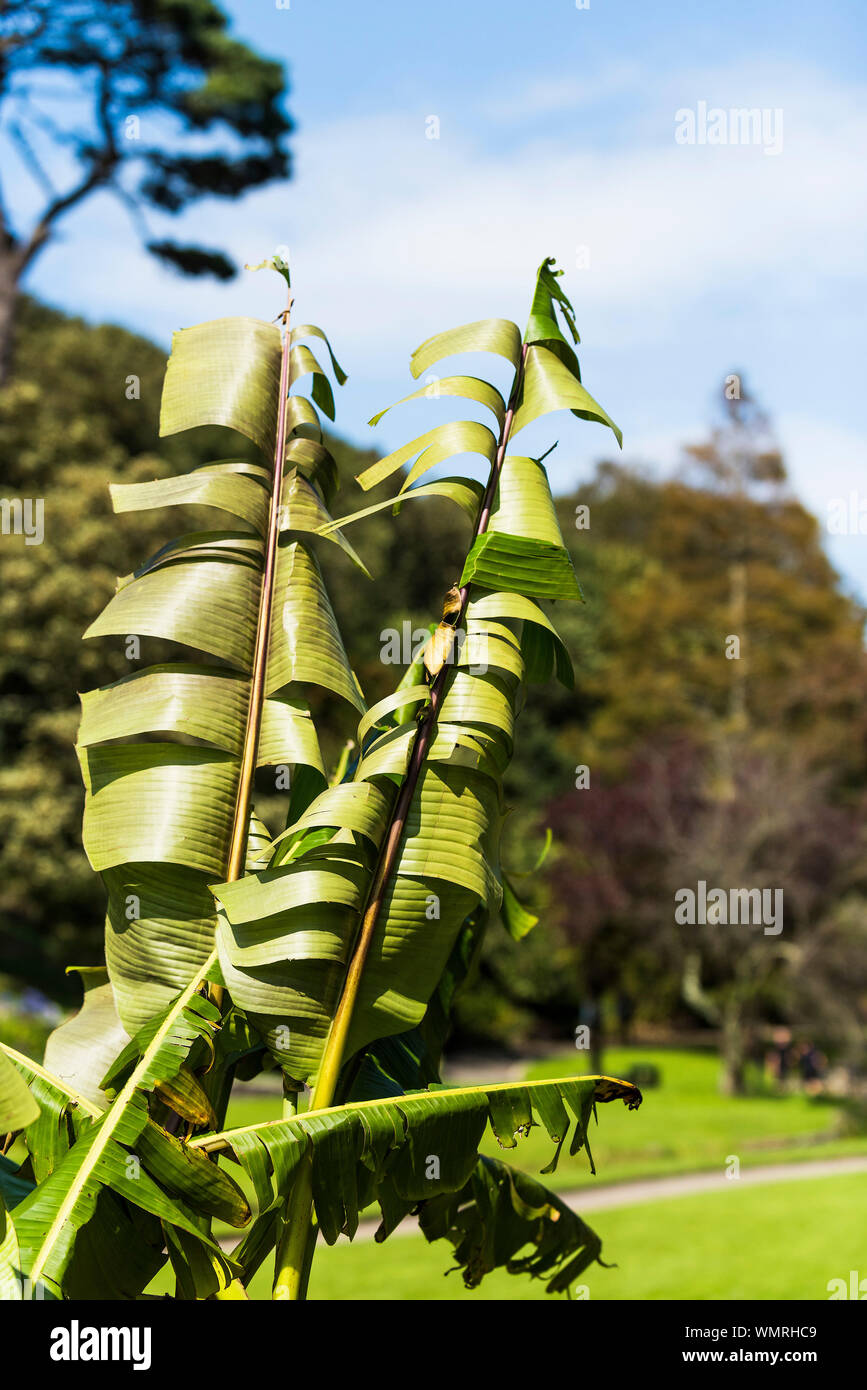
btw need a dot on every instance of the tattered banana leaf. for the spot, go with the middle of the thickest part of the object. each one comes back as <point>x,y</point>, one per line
<point>78,1198</point>
<point>304,512</point>
<point>71,1226</point>
<point>542,648</point>
<point>522,549</point>
<point>162,821</point>
<point>286,931</point>
<point>543,325</point>
<point>201,1271</point>
<point>62,1114</point>
<point>515,917</point>
<point>554,385</point>
<point>466,493</point>
<point>232,485</point>
<point>485,335</point>
<point>309,330</point>
<point>119,1251</point>
<point>226,372</point>
<point>548,386</point>
<point>501,1218</point>
<point>160,817</point>
<point>504,1219</point>
<point>407,1149</point>
<point>470,387</point>
<point>411,1061</point>
<point>433,447</point>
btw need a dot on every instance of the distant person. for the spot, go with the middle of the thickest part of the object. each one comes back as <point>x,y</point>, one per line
<point>625,1014</point>
<point>589,1015</point>
<point>811,1065</point>
<point>780,1057</point>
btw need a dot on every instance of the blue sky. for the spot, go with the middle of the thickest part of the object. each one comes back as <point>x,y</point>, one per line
<point>556,137</point>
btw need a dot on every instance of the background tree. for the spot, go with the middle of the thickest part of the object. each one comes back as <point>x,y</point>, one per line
<point>169,108</point>
<point>633,844</point>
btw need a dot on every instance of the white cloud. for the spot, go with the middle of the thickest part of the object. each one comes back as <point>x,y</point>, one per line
<point>394,231</point>
<point>430,228</point>
<point>695,252</point>
<point>542,96</point>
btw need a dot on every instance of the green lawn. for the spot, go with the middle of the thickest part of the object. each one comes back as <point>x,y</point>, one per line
<point>783,1240</point>
<point>686,1125</point>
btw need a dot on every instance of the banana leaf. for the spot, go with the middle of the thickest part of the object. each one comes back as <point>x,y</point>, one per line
<point>18,1108</point>
<point>100,1175</point>
<point>383,1149</point>
<point>161,818</point>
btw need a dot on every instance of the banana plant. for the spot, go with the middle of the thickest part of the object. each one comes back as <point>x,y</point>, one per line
<point>333,951</point>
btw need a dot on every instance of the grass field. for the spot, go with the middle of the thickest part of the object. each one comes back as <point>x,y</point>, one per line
<point>782,1240</point>
<point>686,1125</point>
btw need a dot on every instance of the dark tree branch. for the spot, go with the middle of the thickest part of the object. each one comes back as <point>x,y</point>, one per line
<point>123,58</point>
<point>137,217</point>
<point>103,164</point>
<point>30,158</point>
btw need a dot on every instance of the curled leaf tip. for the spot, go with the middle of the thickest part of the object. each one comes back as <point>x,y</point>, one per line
<point>279,262</point>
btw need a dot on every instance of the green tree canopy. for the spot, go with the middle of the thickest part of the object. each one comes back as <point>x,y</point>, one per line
<point>152,100</point>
